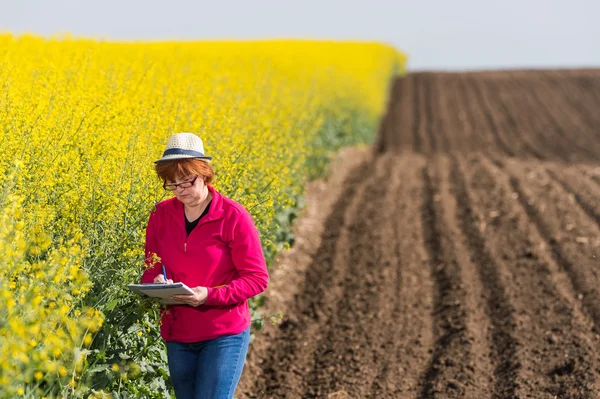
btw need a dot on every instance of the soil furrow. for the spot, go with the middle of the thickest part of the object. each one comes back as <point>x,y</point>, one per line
<point>349,355</point>
<point>583,96</point>
<point>577,150</point>
<point>426,92</point>
<point>416,112</point>
<point>286,362</point>
<point>424,127</point>
<point>520,140</point>
<point>393,260</point>
<point>478,321</point>
<point>567,233</point>
<point>580,102</point>
<point>400,135</point>
<point>464,132</point>
<point>559,358</point>
<point>493,127</point>
<point>415,336</point>
<point>586,200</point>
<point>407,329</point>
<point>499,307</point>
<point>440,105</point>
<point>568,124</point>
<point>435,127</point>
<point>476,119</point>
<point>531,129</point>
<point>450,370</point>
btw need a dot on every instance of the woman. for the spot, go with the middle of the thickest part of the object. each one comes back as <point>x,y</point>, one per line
<point>210,243</point>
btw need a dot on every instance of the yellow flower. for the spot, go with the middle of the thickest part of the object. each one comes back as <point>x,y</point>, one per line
<point>37,300</point>
<point>115,367</point>
<point>51,367</point>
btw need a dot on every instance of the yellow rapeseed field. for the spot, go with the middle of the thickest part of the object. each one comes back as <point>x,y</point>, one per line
<point>81,122</point>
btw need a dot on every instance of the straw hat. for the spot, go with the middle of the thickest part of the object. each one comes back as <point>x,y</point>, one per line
<point>184,146</point>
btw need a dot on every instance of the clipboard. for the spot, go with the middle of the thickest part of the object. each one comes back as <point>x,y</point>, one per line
<point>161,291</point>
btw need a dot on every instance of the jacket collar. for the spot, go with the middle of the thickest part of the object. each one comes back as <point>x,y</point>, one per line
<point>215,212</point>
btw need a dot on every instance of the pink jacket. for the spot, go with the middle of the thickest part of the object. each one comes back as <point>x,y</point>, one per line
<point>222,253</point>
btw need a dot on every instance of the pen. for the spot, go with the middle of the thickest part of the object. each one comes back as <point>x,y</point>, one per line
<point>164,272</point>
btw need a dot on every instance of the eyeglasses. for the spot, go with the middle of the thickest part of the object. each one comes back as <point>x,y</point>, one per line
<point>184,184</point>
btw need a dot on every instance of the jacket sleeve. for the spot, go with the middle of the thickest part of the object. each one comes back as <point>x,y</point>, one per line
<point>152,263</point>
<point>248,259</point>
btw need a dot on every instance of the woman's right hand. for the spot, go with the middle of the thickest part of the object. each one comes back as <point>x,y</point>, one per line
<point>160,279</point>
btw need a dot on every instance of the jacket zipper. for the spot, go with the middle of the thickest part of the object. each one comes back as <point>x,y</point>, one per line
<point>196,228</point>
<point>186,235</point>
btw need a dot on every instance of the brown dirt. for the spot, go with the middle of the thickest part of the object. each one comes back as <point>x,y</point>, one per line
<point>457,258</point>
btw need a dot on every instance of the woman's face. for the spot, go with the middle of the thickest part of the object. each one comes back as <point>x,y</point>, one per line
<point>190,190</point>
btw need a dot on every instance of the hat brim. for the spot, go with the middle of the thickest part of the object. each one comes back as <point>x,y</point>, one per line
<point>178,157</point>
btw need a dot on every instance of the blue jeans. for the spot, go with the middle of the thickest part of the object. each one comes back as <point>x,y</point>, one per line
<point>208,369</point>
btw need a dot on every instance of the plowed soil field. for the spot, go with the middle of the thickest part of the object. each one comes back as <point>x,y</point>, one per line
<point>458,258</point>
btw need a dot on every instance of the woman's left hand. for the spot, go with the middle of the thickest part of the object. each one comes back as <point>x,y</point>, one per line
<point>196,299</point>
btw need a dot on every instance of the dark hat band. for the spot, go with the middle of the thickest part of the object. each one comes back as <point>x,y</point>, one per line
<point>181,151</point>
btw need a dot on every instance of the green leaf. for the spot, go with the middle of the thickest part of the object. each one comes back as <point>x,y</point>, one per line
<point>112,304</point>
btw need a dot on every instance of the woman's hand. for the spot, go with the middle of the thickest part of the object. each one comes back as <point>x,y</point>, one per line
<point>196,299</point>
<point>161,279</point>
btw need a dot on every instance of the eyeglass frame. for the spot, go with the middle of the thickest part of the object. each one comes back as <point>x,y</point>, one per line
<point>175,186</point>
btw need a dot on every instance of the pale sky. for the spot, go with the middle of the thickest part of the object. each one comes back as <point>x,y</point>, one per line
<point>436,34</point>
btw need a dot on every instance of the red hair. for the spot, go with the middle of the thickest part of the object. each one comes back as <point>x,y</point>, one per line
<point>179,168</point>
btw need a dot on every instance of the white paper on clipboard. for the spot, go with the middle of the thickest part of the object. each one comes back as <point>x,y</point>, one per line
<point>162,291</point>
